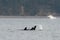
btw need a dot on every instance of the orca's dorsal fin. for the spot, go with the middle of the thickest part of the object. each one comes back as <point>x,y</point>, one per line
<point>25,28</point>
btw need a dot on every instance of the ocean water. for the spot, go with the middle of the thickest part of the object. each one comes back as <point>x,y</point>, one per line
<point>10,29</point>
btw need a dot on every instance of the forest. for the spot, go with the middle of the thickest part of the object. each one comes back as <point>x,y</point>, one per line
<point>29,7</point>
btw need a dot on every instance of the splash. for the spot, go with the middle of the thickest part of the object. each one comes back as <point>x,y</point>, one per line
<point>39,27</point>
<point>51,17</point>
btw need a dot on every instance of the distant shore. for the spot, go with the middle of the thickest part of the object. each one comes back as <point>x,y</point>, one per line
<point>25,16</point>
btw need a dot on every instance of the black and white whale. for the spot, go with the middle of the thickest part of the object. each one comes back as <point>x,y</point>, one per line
<point>36,27</point>
<point>33,28</point>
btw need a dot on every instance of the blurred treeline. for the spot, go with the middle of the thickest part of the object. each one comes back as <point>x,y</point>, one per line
<point>29,7</point>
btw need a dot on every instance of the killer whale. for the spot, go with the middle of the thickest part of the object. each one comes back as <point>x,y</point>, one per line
<point>33,28</point>
<point>36,27</point>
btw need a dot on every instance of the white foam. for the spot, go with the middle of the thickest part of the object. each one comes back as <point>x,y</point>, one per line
<point>51,17</point>
<point>39,27</point>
